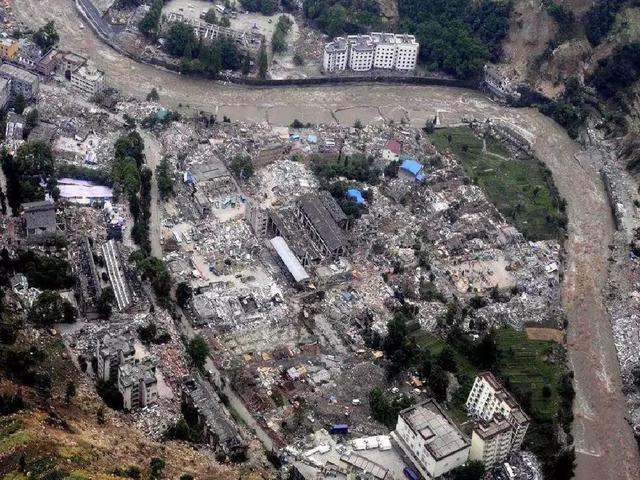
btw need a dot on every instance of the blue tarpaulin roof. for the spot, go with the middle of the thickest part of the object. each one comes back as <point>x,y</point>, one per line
<point>412,166</point>
<point>355,194</point>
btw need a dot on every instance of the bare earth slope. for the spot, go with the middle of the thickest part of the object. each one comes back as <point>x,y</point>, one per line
<point>605,445</point>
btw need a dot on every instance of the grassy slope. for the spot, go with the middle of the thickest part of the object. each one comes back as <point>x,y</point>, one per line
<point>56,437</point>
<point>521,189</point>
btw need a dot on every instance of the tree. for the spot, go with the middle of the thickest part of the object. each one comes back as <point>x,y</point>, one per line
<point>70,392</point>
<point>50,308</point>
<point>32,119</point>
<point>198,350</point>
<point>392,169</point>
<point>447,360</point>
<point>149,23</point>
<point>46,37</point>
<point>164,179</point>
<point>242,167</point>
<point>472,470</point>
<point>438,383</point>
<point>246,65</point>
<point>156,465</point>
<point>153,96</point>
<point>263,62</point>
<point>19,103</point>
<point>298,59</point>
<point>183,294</point>
<point>104,304</point>
<point>210,16</point>
<point>180,39</point>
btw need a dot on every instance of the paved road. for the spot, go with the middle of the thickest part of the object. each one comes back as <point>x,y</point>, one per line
<point>606,448</point>
<point>152,153</point>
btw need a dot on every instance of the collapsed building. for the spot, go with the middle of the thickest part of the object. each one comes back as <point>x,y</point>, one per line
<point>113,351</point>
<point>209,182</point>
<point>313,228</point>
<point>218,430</point>
<point>225,311</point>
<point>40,221</point>
<point>247,39</point>
<point>137,383</point>
<point>88,279</point>
<point>117,275</point>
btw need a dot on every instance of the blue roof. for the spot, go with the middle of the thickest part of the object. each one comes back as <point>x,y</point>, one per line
<point>412,166</point>
<point>312,138</point>
<point>355,194</point>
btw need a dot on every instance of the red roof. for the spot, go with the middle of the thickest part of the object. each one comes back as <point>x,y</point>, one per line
<point>394,146</point>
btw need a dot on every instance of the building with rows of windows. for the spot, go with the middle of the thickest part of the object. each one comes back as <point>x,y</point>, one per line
<point>379,51</point>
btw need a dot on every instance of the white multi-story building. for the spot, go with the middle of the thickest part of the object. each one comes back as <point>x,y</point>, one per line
<point>502,424</point>
<point>138,384</point>
<point>383,51</point>
<point>88,79</point>
<point>406,52</point>
<point>335,55</point>
<point>361,52</point>
<point>431,440</point>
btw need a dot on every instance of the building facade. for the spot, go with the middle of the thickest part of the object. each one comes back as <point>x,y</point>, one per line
<point>5,92</point>
<point>8,49</point>
<point>380,51</point>
<point>88,79</point>
<point>111,352</point>
<point>335,55</point>
<point>501,422</point>
<point>22,82</point>
<point>137,383</point>
<point>431,439</point>
<point>40,221</point>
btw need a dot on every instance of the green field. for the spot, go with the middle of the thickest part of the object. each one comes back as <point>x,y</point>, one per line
<point>521,188</point>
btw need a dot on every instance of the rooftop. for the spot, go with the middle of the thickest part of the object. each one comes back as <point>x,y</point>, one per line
<point>442,437</point>
<point>323,220</point>
<point>40,215</point>
<point>289,259</point>
<point>15,72</point>
<point>111,344</point>
<point>132,373</point>
<point>412,166</point>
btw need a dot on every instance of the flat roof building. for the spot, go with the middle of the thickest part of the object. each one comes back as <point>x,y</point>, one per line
<point>117,276</point>
<point>495,409</point>
<point>88,79</point>
<point>289,260</point>
<point>378,50</point>
<point>431,439</point>
<point>138,384</point>
<point>22,82</point>
<point>113,351</point>
<point>40,221</point>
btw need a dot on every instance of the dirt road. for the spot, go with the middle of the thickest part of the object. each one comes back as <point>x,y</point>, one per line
<point>605,445</point>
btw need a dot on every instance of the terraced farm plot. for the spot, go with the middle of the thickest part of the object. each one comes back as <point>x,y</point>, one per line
<point>521,188</point>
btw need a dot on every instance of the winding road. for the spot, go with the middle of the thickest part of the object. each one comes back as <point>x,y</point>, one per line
<point>605,445</point>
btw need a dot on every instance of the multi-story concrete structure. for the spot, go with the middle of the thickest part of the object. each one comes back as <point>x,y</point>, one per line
<point>113,351</point>
<point>218,430</point>
<point>383,51</point>
<point>406,52</point>
<point>8,49</point>
<point>385,55</point>
<point>248,39</point>
<point>335,55</point>
<point>88,79</point>
<point>40,221</point>
<point>137,383</point>
<point>22,82</point>
<point>69,62</point>
<point>431,440</point>
<point>5,92</point>
<point>362,50</point>
<point>502,424</point>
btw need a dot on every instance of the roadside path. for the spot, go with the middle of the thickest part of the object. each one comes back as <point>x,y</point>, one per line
<point>605,445</point>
